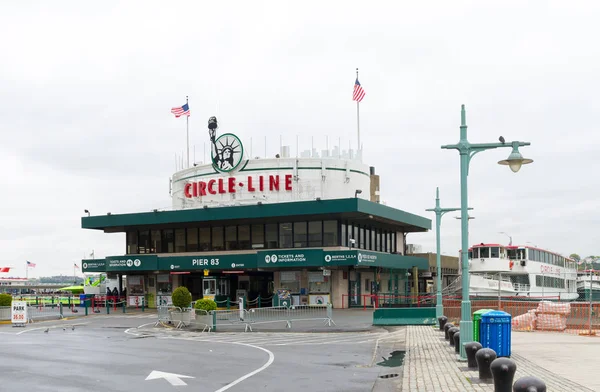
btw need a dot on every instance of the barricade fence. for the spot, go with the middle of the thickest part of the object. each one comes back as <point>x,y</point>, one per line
<point>581,318</point>
<point>242,317</point>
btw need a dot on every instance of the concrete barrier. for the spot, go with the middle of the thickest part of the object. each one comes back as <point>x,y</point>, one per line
<point>404,316</point>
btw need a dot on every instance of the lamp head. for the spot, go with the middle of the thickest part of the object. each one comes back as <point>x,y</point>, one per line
<point>515,160</point>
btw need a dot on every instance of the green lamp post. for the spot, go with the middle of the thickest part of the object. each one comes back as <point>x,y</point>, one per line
<point>467,150</point>
<point>439,212</point>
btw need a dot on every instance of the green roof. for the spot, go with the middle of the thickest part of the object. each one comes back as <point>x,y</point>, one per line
<point>352,208</point>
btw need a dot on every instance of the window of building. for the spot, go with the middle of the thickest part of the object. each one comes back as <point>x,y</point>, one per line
<point>330,233</point>
<point>388,241</point>
<point>132,242</point>
<point>317,283</point>
<point>285,235</point>
<point>218,238</point>
<point>368,239</point>
<point>258,236</point>
<point>290,280</point>
<point>231,238</point>
<point>179,240</point>
<point>356,235</point>
<point>373,239</point>
<point>342,233</point>
<point>272,235</point>
<point>300,235</point>
<point>204,244</point>
<point>349,234</point>
<point>144,241</point>
<point>155,246</point>
<point>244,237</point>
<point>361,238</point>
<point>192,239</point>
<point>315,233</point>
<point>377,240</point>
<point>168,241</point>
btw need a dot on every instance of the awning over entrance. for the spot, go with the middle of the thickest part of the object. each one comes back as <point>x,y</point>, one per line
<point>272,259</point>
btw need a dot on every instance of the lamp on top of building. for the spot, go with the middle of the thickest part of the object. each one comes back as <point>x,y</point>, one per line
<point>357,192</point>
<point>87,212</point>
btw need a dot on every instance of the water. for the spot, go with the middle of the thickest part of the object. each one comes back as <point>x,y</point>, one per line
<point>395,359</point>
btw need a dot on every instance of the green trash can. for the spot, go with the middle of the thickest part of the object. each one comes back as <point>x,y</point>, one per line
<point>477,322</point>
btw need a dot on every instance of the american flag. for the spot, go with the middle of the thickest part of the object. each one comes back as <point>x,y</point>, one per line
<point>4,269</point>
<point>75,265</point>
<point>359,93</point>
<point>30,264</point>
<point>181,110</point>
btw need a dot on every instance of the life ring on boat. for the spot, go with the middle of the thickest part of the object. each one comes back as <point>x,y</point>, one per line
<point>511,264</point>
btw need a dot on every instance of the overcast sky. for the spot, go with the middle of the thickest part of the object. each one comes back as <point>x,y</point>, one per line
<point>86,91</point>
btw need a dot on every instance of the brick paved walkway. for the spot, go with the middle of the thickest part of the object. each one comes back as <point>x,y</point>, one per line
<point>432,366</point>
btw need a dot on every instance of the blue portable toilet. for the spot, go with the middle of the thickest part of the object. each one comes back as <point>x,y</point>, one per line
<point>495,332</point>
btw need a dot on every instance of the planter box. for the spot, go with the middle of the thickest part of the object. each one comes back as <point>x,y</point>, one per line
<point>184,318</point>
<point>204,319</point>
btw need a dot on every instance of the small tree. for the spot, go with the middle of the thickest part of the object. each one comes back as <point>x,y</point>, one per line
<point>206,304</point>
<point>182,298</point>
<point>5,299</point>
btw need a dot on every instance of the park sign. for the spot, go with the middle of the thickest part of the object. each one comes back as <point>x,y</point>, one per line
<point>18,314</point>
<point>131,263</point>
<point>93,265</point>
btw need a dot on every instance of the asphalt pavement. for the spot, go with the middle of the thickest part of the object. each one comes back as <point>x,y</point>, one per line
<point>126,353</point>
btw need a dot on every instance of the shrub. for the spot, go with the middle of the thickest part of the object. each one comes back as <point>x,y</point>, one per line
<point>5,299</point>
<point>182,297</point>
<point>206,304</point>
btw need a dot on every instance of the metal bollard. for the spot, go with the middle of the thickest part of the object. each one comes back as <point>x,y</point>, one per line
<point>503,371</point>
<point>447,326</point>
<point>451,333</point>
<point>529,384</point>
<point>124,307</point>
<point>456,338</point>
<point>484,358</point>
<point>442,320</point>
<point>471,348</point>
<point>107,307</point>
<point>85,303</point>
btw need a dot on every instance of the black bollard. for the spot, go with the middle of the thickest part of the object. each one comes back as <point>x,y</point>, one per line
<point>529,384</point>
<point>442,320</point>
<point>451,333</point>
<point>447,326</point>
<point>456,338</point>
<point>503,371</point>
<point>471,348</point>
<point>484,358</point>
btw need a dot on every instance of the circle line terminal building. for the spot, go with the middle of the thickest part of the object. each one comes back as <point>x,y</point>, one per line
<point>252,227</point>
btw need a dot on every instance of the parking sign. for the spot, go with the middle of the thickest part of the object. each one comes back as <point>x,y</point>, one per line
<point>19,312</point>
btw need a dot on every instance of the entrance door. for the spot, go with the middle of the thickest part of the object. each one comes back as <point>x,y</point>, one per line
<point>355,290</point>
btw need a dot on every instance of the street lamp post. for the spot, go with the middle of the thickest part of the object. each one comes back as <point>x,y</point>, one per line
<point>467,150</point>
<point>509,237</point>
<point>439,212</point>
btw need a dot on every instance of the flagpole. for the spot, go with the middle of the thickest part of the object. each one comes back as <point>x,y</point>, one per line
<point>358,121</point>
<point>187,131</point>
<point>26,270</point>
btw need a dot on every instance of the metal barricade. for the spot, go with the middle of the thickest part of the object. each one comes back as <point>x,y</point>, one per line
<point>282,314</point>
<point>165,316</point>
<point>44,312</point>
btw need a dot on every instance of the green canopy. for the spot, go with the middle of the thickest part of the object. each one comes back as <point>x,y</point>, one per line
<point>73,289</point>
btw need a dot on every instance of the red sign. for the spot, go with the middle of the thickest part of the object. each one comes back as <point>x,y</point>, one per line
<point>232,184</point>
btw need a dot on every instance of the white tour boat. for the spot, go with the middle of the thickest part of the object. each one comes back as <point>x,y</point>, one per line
<point>520,272</point>
<point>588,281</point>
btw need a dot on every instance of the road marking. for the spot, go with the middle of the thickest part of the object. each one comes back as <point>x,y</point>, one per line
<point>252,373</point>
<point>50,327</point>
<point>172,378</point>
